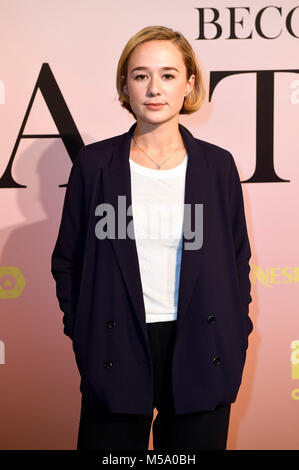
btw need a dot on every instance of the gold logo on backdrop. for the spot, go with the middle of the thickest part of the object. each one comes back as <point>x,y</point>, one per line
<point>12,282</point>
<point>295,359</point>
<point>271,276</point>
<point>295,366</point>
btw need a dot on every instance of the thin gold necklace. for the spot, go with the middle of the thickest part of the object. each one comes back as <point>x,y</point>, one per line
<point>160,164</point>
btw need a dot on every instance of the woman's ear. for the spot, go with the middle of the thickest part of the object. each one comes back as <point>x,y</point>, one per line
<point>124,87</point>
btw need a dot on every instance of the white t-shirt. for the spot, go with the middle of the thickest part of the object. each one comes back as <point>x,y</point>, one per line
<point>158,209</point>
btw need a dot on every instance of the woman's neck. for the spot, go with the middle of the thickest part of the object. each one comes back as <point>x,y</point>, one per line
<point>157,139</point>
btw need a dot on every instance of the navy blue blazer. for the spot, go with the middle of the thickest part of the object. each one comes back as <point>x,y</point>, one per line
<point>98,284</point>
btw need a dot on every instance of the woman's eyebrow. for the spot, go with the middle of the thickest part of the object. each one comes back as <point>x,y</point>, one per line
<point>162,68</point>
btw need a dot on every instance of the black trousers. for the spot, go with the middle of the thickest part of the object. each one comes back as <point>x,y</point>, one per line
<point>204,430</point>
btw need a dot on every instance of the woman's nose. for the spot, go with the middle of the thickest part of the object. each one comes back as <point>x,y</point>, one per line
<point>153,86</point>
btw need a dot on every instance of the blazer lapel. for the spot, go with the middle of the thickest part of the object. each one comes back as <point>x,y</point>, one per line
<point>198,187</point>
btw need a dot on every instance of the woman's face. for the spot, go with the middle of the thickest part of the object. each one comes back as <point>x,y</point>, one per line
<point>153,83</point>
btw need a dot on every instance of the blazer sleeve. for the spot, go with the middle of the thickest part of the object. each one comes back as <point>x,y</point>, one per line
<point>67,254</point>
<point>241,241</point>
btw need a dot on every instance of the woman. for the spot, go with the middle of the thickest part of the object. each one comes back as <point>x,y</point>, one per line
<point>157,321</point>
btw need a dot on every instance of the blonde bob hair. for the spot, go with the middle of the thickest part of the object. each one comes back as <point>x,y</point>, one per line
<point>195,98</point>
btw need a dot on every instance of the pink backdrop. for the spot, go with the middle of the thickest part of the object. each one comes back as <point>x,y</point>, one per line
<point>81,43</point>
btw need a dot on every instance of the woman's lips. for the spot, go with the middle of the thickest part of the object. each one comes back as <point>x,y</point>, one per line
<point>154,106</point>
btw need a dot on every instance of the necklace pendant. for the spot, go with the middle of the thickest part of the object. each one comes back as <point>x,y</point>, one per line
<point>159,167</point>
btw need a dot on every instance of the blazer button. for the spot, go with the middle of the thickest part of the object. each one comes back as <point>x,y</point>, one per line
<point>107,364</point>
<point>211,319</point>
<point>217,360</point>
<point>110,324</point>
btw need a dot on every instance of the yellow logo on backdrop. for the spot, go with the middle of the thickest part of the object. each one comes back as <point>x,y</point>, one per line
<point>295,366</point>
<point>12,282</point>
<point>295,359</point>
<point>269,276</point>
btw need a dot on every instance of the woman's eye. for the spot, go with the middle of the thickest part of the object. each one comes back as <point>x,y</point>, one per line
<point>165,75</point>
